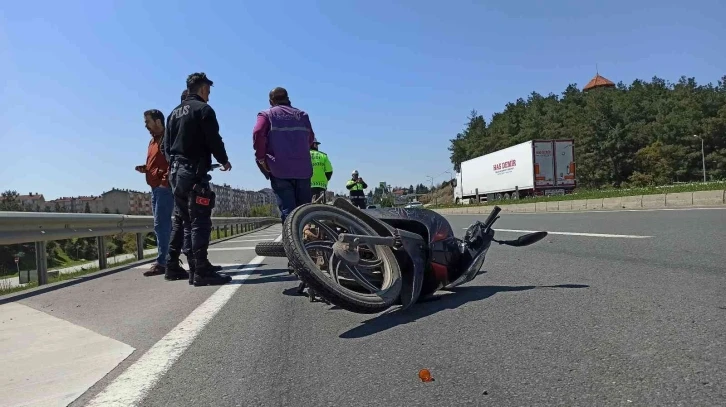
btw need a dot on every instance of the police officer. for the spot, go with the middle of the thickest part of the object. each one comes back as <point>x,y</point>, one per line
<point>191,139</point>
<point>187,246</point>
<point>356,185</point>
<point>322,172</point>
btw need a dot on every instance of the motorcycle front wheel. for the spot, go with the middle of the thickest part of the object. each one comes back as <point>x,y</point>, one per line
<point>371,286</point>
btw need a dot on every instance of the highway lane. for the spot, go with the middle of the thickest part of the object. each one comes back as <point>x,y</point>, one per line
<point>128,307</point>
<point>575,320</point>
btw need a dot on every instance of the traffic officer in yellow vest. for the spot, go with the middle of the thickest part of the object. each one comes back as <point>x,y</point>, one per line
<point>322,172</point>
<point>356,185</point>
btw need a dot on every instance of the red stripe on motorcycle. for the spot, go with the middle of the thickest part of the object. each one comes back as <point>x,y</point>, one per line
<point>441,272</point>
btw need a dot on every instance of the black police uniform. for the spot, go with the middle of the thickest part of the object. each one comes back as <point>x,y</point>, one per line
<point>191,138</point>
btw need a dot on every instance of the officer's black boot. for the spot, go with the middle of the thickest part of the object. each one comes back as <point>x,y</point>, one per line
<point>204,274</point>
<point>174,271</point>
<point>192,268</point>
<point>213,267</point>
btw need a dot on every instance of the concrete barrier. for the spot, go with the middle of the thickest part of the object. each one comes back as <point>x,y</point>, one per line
<point>563,206</point>
<point>612,203</point>
<point>679,199</point>
<point>707,198</point>
<point>594,204</point>
<point>579,205</point>
<point>632,202</point>
<point>654,201</point>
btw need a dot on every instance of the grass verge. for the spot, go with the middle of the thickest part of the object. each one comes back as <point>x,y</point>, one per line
<point>606,193</point>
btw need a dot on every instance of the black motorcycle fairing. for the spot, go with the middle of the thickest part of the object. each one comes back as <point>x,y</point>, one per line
<point>380,227</point>
<point>447,253</point>
<point>414,250</point>
<point>472,257</point>
<point>429,224</point>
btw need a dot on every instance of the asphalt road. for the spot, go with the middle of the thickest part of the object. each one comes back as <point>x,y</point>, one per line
<point>576,320</point>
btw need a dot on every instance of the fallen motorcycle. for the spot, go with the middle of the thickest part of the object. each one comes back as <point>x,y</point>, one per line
<point>366,261</point>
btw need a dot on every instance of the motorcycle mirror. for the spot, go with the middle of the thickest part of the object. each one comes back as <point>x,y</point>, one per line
<point>525,240</point>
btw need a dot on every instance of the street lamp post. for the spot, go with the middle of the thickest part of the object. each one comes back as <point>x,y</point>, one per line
<point>703,157</point>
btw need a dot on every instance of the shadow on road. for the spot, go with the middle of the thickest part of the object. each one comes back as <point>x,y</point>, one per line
<point>458,296</point>
<point>267,275</point>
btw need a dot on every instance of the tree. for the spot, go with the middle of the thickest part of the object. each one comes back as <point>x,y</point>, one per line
<point>641,134</point>
<point>10,201</point>
<point>87,209</point>
<point>106,210</point>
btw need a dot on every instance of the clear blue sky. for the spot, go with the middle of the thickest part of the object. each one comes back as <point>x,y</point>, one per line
<point>386,83</point>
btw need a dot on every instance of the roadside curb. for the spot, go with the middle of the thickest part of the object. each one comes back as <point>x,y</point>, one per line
<point>20,295</point>
<point>714,198</point>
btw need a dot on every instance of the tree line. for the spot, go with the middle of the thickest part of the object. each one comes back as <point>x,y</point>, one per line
<point>640,134</point>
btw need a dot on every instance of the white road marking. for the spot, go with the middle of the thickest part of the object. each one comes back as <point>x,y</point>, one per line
<point>45,352</point>
<point>249,240</point>
<point>594,211</point>
<point>575,234</point>
<point>133,385</point>
<point>225,249</point>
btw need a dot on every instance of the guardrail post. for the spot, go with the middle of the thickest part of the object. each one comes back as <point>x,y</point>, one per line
<point>225,231</point>
<point>41,262</point>
<point>236,226</point>
<point>218,235</point>
<point>102,260</point>
<point>139,246</point>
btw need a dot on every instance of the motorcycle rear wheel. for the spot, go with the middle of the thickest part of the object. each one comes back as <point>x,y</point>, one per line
<point>331,220</point>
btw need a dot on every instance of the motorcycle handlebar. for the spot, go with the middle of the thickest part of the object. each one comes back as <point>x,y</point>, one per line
<point>492,217</point>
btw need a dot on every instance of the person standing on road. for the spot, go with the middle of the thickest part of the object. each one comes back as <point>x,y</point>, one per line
<point>356,186</point>
<point>322,172</point>
<point>282,138</point>
<point>156,170</point>
<point>187,246</point>
<point>191,139</point>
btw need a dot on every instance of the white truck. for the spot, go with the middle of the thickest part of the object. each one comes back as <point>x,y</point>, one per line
<point>536,167</point>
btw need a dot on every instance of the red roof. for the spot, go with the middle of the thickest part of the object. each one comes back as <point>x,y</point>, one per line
<point>599,82</point>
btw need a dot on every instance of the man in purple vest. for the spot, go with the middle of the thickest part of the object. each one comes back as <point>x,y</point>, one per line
<point>282,138</point>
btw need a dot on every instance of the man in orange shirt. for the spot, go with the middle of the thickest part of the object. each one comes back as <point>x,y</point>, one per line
<point>162,199</point>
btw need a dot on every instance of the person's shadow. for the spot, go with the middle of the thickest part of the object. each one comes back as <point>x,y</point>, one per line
<point>424,308</point>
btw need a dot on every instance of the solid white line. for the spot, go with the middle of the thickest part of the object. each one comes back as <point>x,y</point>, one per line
<point>594,211</point>
<point>248,240</point>
<point>575,234</point>
<point>132,385</point>
<point>224,249</point>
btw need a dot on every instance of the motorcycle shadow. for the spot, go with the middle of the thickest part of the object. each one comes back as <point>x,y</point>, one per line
<point>439,302</point>
<point>268,275</point>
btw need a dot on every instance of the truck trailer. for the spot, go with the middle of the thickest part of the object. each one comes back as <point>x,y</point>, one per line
<point>535,167</point>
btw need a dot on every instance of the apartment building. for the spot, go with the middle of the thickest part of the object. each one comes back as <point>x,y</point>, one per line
<point>229,201</point>
<point>126,202</point>
<point>32,202</point>
<point>75,204</point>
<point>239,202</point>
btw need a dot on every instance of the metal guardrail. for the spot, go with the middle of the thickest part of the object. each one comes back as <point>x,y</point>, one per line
<point>38,227</point>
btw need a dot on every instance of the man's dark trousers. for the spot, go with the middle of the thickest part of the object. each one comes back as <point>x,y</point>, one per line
<point>182,179</point>
<point>291,193</point>
<point>318,192</point>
